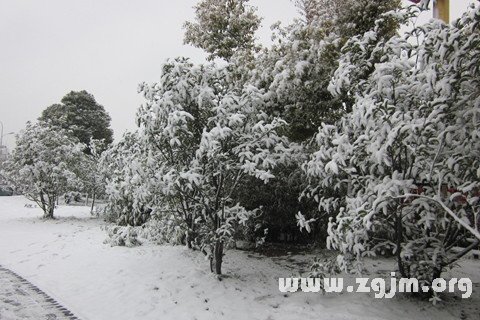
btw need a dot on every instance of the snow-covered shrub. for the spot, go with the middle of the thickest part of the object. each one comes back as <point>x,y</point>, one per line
<point>126,173</point>
<point>91,172</point>
<point>99,211</point>
<point>252,232</point>
<point>44,165</point>
<point>163,229</point>
<point>205,135</point>
<point>157,230</point>
<point>404,163</point>
<point>123,236</point>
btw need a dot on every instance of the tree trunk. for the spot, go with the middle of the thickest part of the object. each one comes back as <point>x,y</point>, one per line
<point>48,212</point>
<point>217,258</point>
<point>189,239</point>
<point>399,240</point>
<point>437,273</point>
<point>93,203</point>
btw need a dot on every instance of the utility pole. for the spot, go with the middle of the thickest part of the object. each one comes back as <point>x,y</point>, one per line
<point>441,10</point>
<point>1,135</point>
<point>2,147</point>
<point>1,142</point>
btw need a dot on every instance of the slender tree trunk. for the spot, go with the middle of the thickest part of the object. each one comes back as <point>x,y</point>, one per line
<point>399,240</point>
<point>93,203</point>
<point>437,272</point>
<point>190,238</point>
<point>43,203</point>
<point>217,259</point>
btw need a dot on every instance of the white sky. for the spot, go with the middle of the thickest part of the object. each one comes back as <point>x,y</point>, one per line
<point>107,47</point>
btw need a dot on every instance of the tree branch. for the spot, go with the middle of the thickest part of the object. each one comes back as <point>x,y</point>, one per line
<point>446,209</point>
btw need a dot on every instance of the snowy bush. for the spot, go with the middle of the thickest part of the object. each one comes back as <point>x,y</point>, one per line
<point>205,135</point>
<point>91,173</point>
<point>44,165</point>
<point>163,229</point>
<point>126,173</point>
<point>122,236</point>
<point>99,211</point>
<point>404,163</point>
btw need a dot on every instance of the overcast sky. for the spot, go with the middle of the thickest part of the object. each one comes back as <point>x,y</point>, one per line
<point>107,47</point>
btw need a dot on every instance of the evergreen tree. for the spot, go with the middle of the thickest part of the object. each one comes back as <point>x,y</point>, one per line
<point>205,136</point>
<point>81,115</point>
<point>297,69</point>
<point>404,163</point>
<point>223,27</point>
<point>126,173</point>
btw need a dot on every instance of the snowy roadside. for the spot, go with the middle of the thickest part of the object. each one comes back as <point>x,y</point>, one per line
<point>67,259</point>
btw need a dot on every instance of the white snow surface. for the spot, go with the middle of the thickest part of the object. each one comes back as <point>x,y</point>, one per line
<point>68,260</point>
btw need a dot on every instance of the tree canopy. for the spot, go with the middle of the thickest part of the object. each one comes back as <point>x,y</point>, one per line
<point>44,165</point>
<point>222,27</point>
<point>80,114</point>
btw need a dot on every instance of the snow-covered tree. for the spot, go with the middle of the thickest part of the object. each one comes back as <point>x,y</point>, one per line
<point>404,163</point>
<point>82,116</point>
<point>223,27</point>
<point>126,172</point>
<point>296,70</point>
<point>91,175</point>
<point>44,165</point>
<point>207,135</point>
<point>294,73</point>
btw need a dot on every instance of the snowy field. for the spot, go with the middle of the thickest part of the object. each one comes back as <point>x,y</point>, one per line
<point>67,259</point>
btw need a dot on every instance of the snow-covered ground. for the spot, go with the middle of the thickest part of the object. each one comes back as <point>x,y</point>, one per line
<point>68,260</point>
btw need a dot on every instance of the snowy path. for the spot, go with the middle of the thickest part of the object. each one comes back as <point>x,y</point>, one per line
<point>19,299</point>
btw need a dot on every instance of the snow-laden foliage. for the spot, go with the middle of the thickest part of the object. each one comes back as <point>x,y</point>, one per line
<point>296,70</point>
<point>91,172</point>
<point>223,27</point>
<point>295,73</point>
<point>126,171</point>
<point>44,165</point>
<point>205,136</point>
<point>122,236</point>
<point>404,163</point>
<point>161,229</point>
